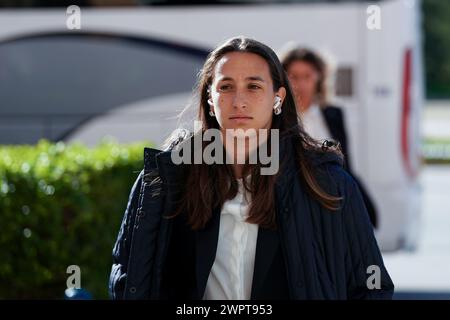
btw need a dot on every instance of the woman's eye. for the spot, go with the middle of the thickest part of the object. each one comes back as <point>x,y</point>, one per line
<point>254,86</point>
<point>224,87</point>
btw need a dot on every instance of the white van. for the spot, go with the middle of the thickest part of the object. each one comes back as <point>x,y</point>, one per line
<point>375,49</point>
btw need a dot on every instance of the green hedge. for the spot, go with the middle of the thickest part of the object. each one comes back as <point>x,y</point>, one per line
<point>61,205</point>
<point>436,150</point>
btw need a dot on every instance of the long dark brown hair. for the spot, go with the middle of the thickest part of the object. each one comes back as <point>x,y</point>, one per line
<point>316,61</point>
<point>206,187</point>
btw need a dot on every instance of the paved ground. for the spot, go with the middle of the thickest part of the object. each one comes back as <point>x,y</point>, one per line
<point>425,274</point>
<point>428,269</point>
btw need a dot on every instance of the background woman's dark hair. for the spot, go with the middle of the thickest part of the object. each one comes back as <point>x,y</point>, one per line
<point>207,186</point>
<point>316,61</point>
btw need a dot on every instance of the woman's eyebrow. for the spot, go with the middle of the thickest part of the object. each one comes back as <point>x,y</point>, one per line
<point>225,79</point>
<point>251,78</point>
<point>255,78</point>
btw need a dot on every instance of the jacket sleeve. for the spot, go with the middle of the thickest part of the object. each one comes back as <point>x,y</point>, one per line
<point>367,277</point>
<point>121,248</point>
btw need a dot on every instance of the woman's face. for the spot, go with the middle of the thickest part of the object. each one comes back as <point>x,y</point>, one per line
<point>242,92</point>
<point>303,78</point>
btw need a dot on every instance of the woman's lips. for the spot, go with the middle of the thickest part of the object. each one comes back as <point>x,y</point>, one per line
<point>241,119</point>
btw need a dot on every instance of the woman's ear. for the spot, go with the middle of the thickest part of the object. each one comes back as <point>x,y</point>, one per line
<point>281,93</point>
<point>208,92</point>
<point>211,108</point>
<point>210,102</point>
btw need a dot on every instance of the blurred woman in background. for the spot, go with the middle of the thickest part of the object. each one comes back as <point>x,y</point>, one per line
<point>307,73</point>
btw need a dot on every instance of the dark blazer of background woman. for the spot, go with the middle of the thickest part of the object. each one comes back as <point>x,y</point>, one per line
<point>334,120</point>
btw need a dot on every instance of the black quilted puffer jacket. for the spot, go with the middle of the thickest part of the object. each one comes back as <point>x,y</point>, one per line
<point>327,254</point>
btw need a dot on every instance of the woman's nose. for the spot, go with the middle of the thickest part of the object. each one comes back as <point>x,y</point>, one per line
<point>239,100</point>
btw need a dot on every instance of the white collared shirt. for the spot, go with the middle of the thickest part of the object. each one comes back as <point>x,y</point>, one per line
<point>314,123</point>
<point>231,275</point>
